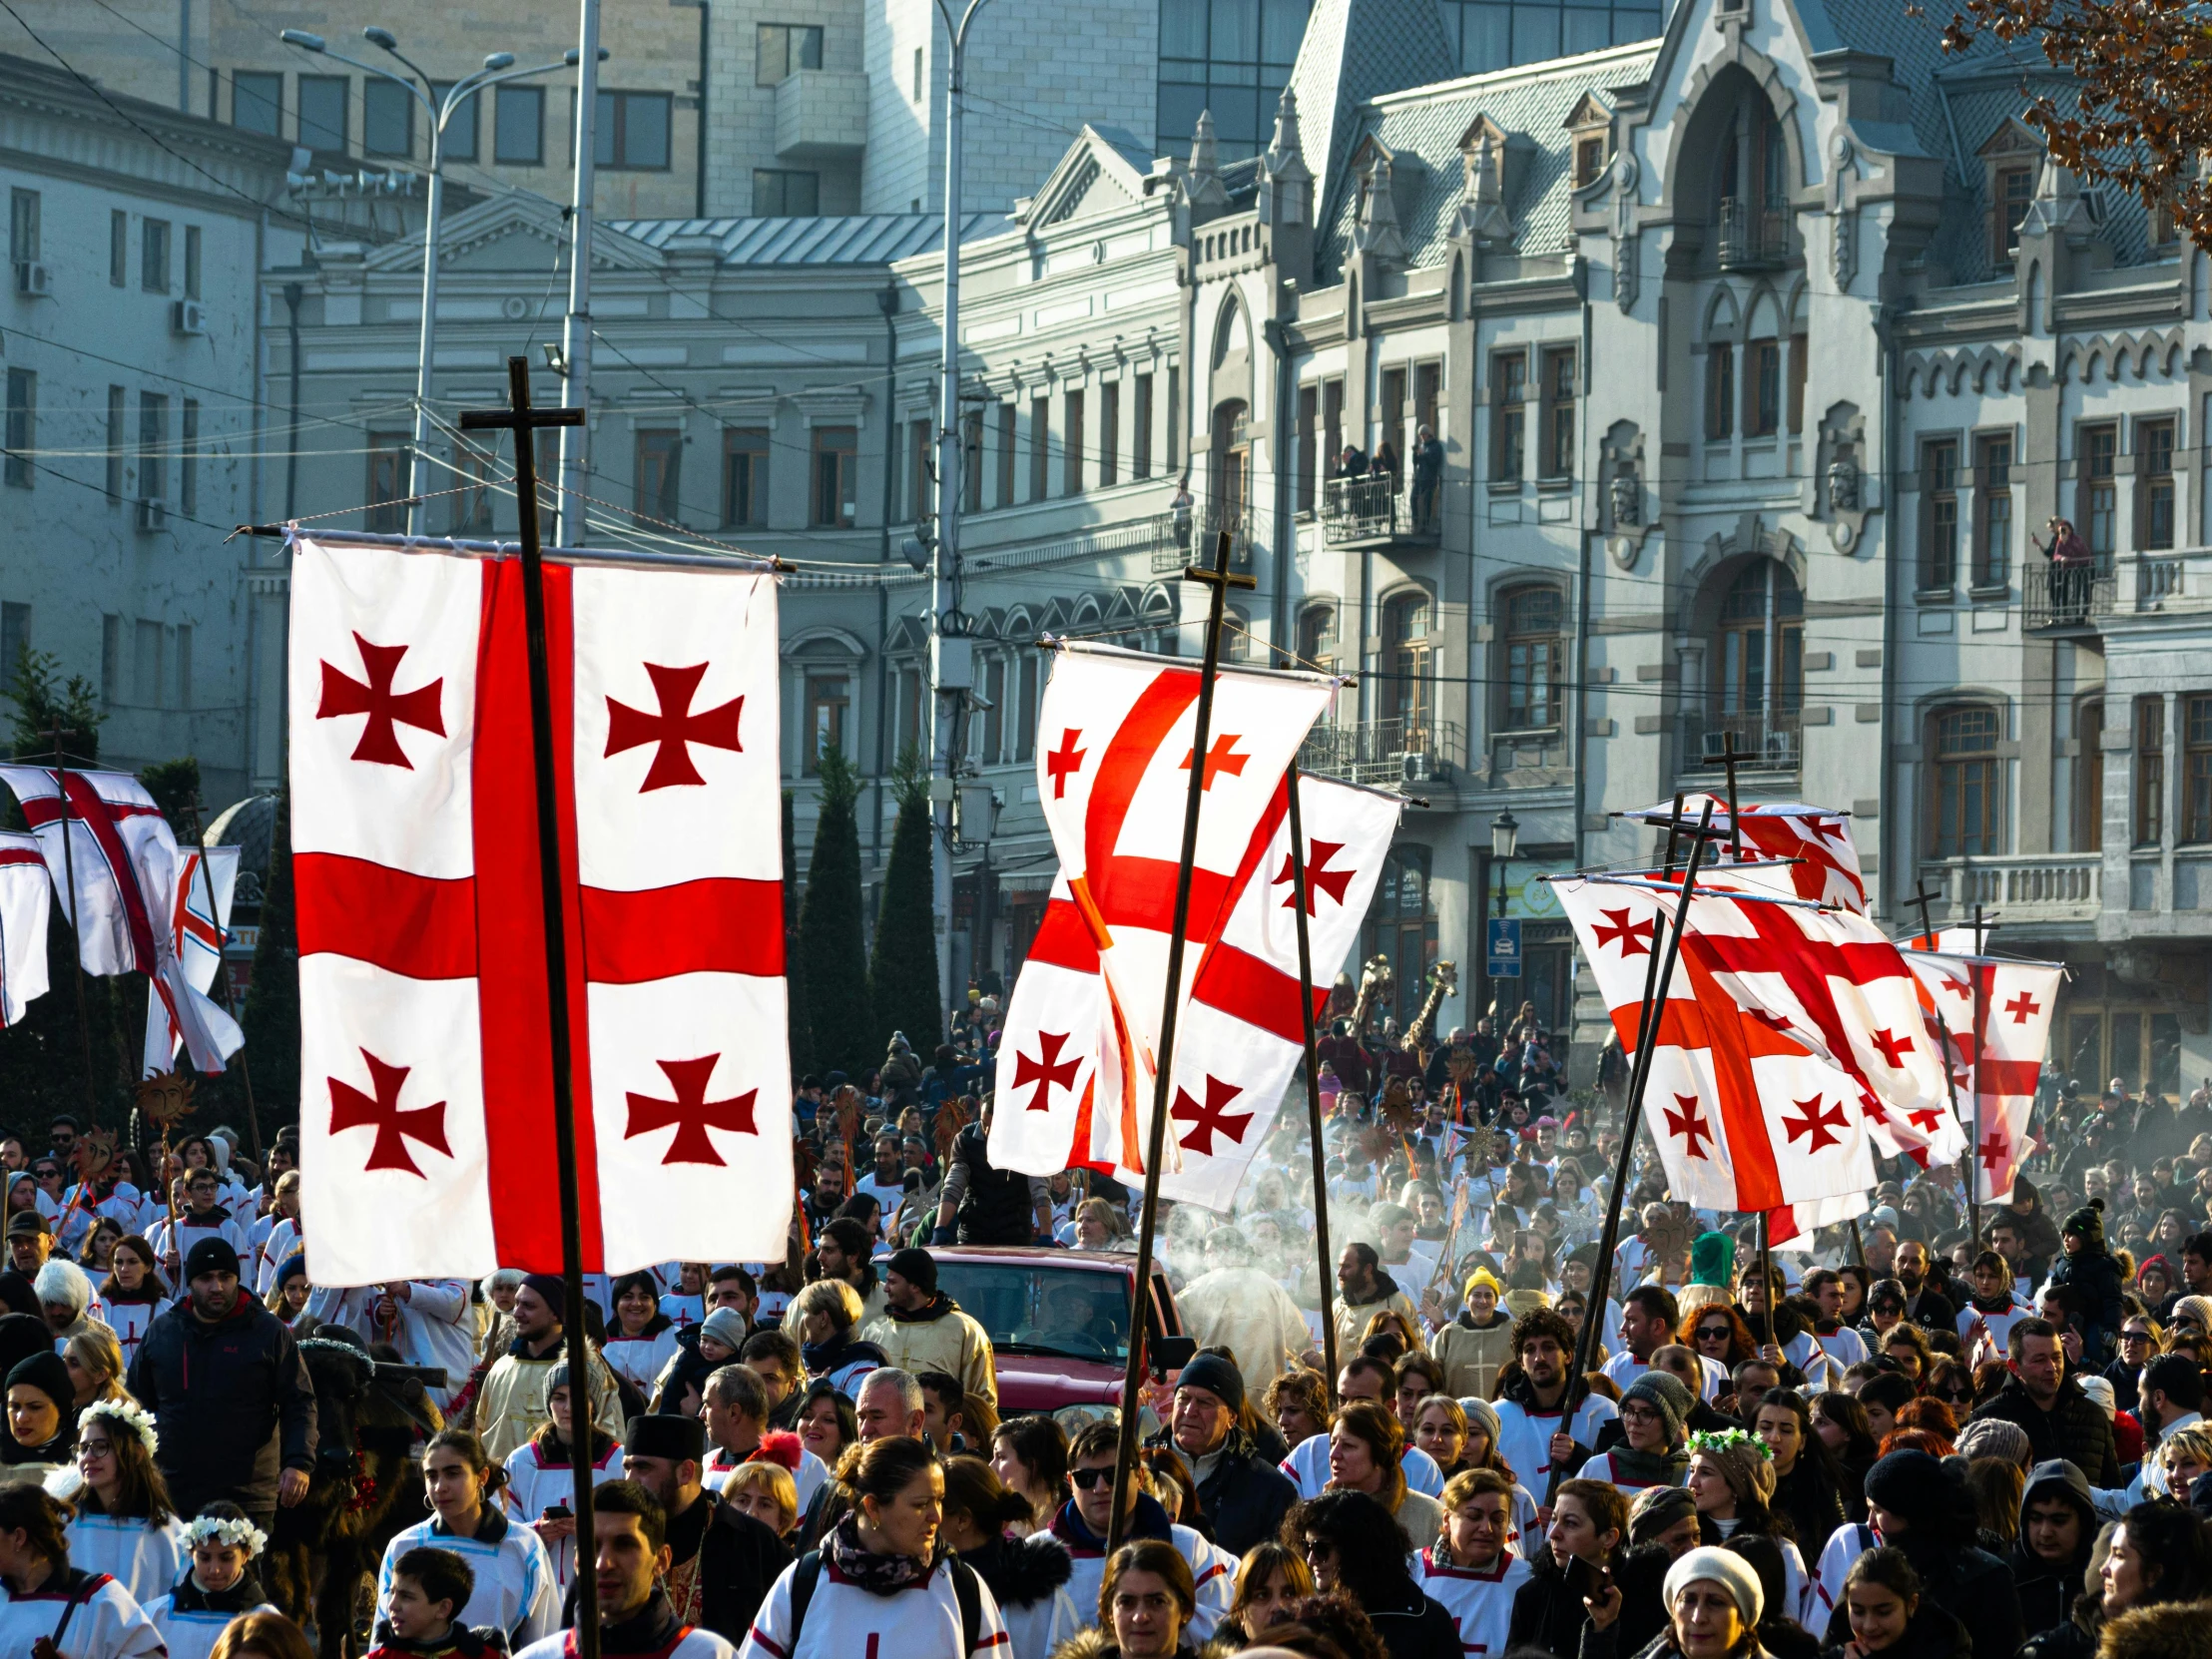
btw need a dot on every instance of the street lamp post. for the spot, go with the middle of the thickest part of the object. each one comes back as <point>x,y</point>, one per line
<point>951,661</point>
<point>1504,843</point>
<point>499,66</point>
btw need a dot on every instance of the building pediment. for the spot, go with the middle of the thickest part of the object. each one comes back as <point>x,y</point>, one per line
<point>1095,175</point>
<point>512,232</point>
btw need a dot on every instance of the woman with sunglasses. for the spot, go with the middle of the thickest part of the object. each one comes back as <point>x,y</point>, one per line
<point>1951,1382</point>
<point>1718,1333</point>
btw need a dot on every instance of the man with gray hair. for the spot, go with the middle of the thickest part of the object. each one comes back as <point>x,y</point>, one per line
<point>735,1408</point>
<point>888,1404</point>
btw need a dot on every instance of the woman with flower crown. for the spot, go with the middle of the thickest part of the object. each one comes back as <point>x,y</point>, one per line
<point>220,1587</point>
<point>1732,1484</point>
<point>124,1526</point>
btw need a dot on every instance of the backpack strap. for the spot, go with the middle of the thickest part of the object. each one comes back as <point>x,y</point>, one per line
<point>966,1590</point>
<point>803,1580</point>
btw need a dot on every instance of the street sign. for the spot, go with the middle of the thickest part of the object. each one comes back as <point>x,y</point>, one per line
<point>1504,950</point>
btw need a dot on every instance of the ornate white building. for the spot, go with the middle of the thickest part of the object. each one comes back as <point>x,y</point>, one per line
<point>1755,356</point>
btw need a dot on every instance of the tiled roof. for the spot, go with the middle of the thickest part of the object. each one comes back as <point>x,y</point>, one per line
<point>1353,50</point>
<point>1421,129</point>
<point>840,238</point>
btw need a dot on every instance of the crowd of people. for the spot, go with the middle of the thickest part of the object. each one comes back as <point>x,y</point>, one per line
<point>1930,1435</point>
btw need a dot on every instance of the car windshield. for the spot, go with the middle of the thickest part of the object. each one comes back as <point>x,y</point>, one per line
<point>1043,1309</point>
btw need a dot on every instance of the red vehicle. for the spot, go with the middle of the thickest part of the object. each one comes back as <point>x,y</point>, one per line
<point>1058,1321</point>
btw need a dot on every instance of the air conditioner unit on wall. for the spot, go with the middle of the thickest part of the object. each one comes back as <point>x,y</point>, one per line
<point>188,316</point>
<point>33,279</point>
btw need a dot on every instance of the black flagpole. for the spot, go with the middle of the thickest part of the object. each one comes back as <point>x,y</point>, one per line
<point>76,926</point>
<point>1658,979</point>
<point>223,980</point>
<point>1312,1084</point>
<point>1139,1290</point>
<point>519,419</point>
<point>1920,897</point>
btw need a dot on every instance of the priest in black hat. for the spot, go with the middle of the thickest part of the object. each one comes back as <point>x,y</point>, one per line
<point>723,1561</point>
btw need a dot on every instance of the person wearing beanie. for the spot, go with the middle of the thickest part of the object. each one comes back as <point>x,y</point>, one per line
<point>1713,1260</point>
<point>1689,1613</point>
<point>541,1475</point>
<point>233,1405</point>
<point>1994,1438</point>
<point>921,1329</point>
<point>1650,1450</point>
<point>2092,1273</point>
<point>1475,1345</point>
<point>511,1402</point>
<point>1920,1505</point>
<point>1243,1494</point>
<point>2040,1396</point>
<point>1664,1518</point>
<point>41,1426</point>
<point>1731,1482</point>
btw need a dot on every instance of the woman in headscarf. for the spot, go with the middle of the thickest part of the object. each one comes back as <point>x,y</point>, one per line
<point>1712,1603</point>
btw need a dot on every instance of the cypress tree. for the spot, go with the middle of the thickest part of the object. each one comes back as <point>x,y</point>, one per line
<point>271,1016</point>
<point>833,950</point>
<point>903,969</point>
<point>794,977</point>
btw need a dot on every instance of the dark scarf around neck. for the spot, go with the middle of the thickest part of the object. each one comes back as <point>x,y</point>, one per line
<point>242,1597</point>
<point>880,1575</point>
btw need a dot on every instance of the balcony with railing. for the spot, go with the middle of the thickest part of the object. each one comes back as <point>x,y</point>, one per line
<point>1752,234</point>
<point>1385,752</point>
<point>1376,508</point>
<point>1774,740</point>
<point>2070,595</point>
<point>1185,536</point>
<point>2037,887</point>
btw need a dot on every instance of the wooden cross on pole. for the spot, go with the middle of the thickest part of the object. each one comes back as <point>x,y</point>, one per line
<point>1220,579</point>
<point>524,422</point>
<point>1730,756</point>
<point>1921,896</point>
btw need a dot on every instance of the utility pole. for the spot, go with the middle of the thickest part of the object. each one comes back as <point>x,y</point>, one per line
<point>952,654</point>
<point>575,471</point>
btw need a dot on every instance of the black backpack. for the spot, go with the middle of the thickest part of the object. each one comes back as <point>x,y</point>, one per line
<point>965,1588</point>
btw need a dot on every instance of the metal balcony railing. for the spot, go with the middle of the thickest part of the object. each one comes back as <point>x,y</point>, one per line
<point>1774,740</point>
<point>1382,752</point>
<point>2066,596</point>
<point>1185,536</point>
<point>1752,234</point>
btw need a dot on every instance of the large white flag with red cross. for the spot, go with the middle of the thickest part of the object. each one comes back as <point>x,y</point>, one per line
<point>1048,1051</point>
<point>1114,759</point>
<point>25,902</point>
<point>124,858</point>
<point>197,934</point>
<point>426,1123</point>
<point>1996,1014</point>
<point>1746,1117</point>
<point>1817,840</point>
<point>1241,1038</point>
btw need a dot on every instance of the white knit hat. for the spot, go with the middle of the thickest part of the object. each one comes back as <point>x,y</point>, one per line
<point>1724,1567</point>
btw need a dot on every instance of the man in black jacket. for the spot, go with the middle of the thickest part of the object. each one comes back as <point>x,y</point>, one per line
<point>1920,1506</point>
<point>1243,1496</point>
<point>229,1394</point>
<point>2061,1420</point>
<point>722,1560</point>
<point>991,1206</point>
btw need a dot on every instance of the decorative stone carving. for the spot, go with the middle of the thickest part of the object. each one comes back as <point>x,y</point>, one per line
<point>1839,489</point>
<point>1626,276</point>
<point>1843,252</point>
<point>1621,508</point>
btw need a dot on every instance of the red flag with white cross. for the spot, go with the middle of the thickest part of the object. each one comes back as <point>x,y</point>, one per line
<point>1996,1014</point>
<point>426,1123</point>
<point>1115,756</point>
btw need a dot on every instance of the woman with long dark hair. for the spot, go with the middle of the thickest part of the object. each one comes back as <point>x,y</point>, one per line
<point>1354,1544</point>
<point>1841,1423</point>
<point>1028,1575</point>
<point>514,1576</point>
<point>1808,1484</point>
<point>132,1294</point>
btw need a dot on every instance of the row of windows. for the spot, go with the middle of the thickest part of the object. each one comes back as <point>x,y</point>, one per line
<point>629,135</point>
<point>2192,733</point>
<point>155,265</point>
<point>658,479</point>
<point>1022,457</point>
<point>159,449</point>
<point>1764,397</point>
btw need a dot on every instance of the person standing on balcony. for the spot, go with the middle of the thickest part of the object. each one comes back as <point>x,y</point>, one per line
<point>2070,565</point>
<point>1428,468</point>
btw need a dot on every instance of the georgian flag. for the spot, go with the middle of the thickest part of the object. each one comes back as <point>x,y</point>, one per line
<point>197,935</point>
<point>1996,1015</point>
<point>425,1062</point>
<point>1241,1039</point>
<point>1824,860</point>
<point>125,860</point>
<point>1048,1051</point>
<point>1745,1116</point>
<point>1114,756</point>
<point>26,900</point>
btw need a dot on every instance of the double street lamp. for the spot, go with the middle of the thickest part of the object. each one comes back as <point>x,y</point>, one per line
<point>498,69</point>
